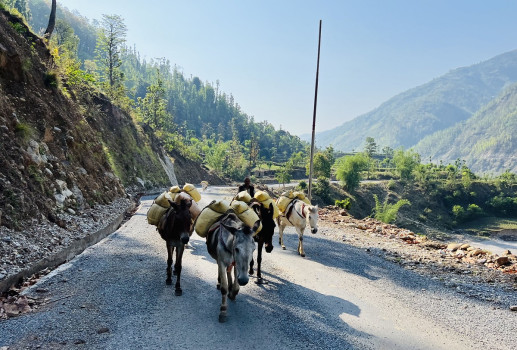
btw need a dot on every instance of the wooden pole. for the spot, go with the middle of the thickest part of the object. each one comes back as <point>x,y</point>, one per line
<point>314,116</point>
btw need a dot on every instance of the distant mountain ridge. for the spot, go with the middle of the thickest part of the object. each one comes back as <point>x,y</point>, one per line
<point>487,141</point>
<point>407,118</point>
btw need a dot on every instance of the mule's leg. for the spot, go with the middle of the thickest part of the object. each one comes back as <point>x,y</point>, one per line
<point>281,227</point>
<point>224,291</point>
<point>168,281</point>
<point>177,268</point>
<point>251,271</point>
<point>259,262</point>
<point>233,286</point>
<point>300,242</point>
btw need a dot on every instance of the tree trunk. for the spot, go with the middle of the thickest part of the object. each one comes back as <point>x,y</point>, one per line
<point>51,21</point>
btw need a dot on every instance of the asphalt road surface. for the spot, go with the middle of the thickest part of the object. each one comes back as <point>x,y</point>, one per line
<point>114,296</point>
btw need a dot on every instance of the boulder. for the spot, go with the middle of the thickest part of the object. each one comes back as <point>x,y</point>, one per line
<point>454,246</point>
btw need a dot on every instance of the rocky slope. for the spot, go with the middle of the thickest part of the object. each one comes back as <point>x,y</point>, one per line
<point>66,149</point>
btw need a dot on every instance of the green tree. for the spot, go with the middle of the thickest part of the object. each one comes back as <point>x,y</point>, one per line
<point>330,155</point>
<point>153,107</point>
<point>321,166</point>
<point>21,6</point>
<point>65,39</point>
<point>111,38</point>
<point>349,170</point>
<point>405,162</point>
<point>284,175</point>
<point>370,147</point>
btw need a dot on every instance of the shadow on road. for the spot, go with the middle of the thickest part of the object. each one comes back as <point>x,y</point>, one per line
<point>331,253</point>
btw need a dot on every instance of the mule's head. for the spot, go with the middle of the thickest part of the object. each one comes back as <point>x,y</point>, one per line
<point>268,226</point>
<point>311,213</point>
<point>177,222</point>
<point>241,244</point>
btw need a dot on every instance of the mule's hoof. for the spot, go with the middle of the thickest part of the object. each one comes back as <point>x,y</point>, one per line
<point>302,255</point>
<point>261,281</point>
<point>168,282</point>
<point>251,272</point>
<point>178,292</point>
<point>232,296</point>
<point>222,318</point>
<point>218,287</point>
<point>283,247</point>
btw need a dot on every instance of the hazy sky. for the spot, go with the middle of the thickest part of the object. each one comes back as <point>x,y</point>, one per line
<point>265,52</point>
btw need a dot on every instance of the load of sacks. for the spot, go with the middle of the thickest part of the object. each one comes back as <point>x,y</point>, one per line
<point>261,196</point>
<point>287,197</point>
<point>217,209</point>
<point>239,205</point>
<point>174,194</point>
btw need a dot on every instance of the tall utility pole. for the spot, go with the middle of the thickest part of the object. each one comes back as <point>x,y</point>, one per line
<point>314,115</point>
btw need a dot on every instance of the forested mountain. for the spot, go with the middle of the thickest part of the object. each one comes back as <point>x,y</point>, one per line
<point>487,141</point>
<point>410,116</point>
<point>191,115</point>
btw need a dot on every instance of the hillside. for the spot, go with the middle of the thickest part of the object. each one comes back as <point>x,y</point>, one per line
<point>65,149</point>
<point>487,141</point>
<point>196,111</point>
<point>410,116</point>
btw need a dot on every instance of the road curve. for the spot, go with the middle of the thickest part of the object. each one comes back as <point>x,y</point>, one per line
<point>114,296</point>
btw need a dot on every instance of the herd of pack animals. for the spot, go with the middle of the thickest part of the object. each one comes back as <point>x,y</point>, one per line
<point>230,234</point>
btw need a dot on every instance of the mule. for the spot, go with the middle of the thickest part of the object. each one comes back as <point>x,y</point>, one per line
<point>175,228</point>
<point>264,237</point>
<point>298,214</point>
<point>230,242</point>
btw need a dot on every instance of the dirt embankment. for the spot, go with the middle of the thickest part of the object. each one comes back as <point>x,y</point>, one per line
<point>66,149</point>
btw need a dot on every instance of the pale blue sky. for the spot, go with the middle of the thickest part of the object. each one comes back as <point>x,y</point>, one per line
<point>265,52</point>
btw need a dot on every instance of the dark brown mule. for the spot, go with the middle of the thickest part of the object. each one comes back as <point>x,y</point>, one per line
<point>175,228</point>
<point>265,236</point>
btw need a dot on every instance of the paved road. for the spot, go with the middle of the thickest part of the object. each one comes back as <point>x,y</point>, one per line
<point>113,296</point>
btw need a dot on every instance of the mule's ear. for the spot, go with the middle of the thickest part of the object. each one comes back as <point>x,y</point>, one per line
<point>271,207</point>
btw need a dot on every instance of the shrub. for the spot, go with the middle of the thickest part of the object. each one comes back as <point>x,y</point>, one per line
<point>474,210</point>
<point>24,131</point>
<point>302,185</point>
<point>471,212</point>
<point>502,205</point>
<point>19,28</point>
<point>322,189</point>
<point>458,212</point>
<point>343,204</point>
<point>386,212</point>
<point>50,80</point>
